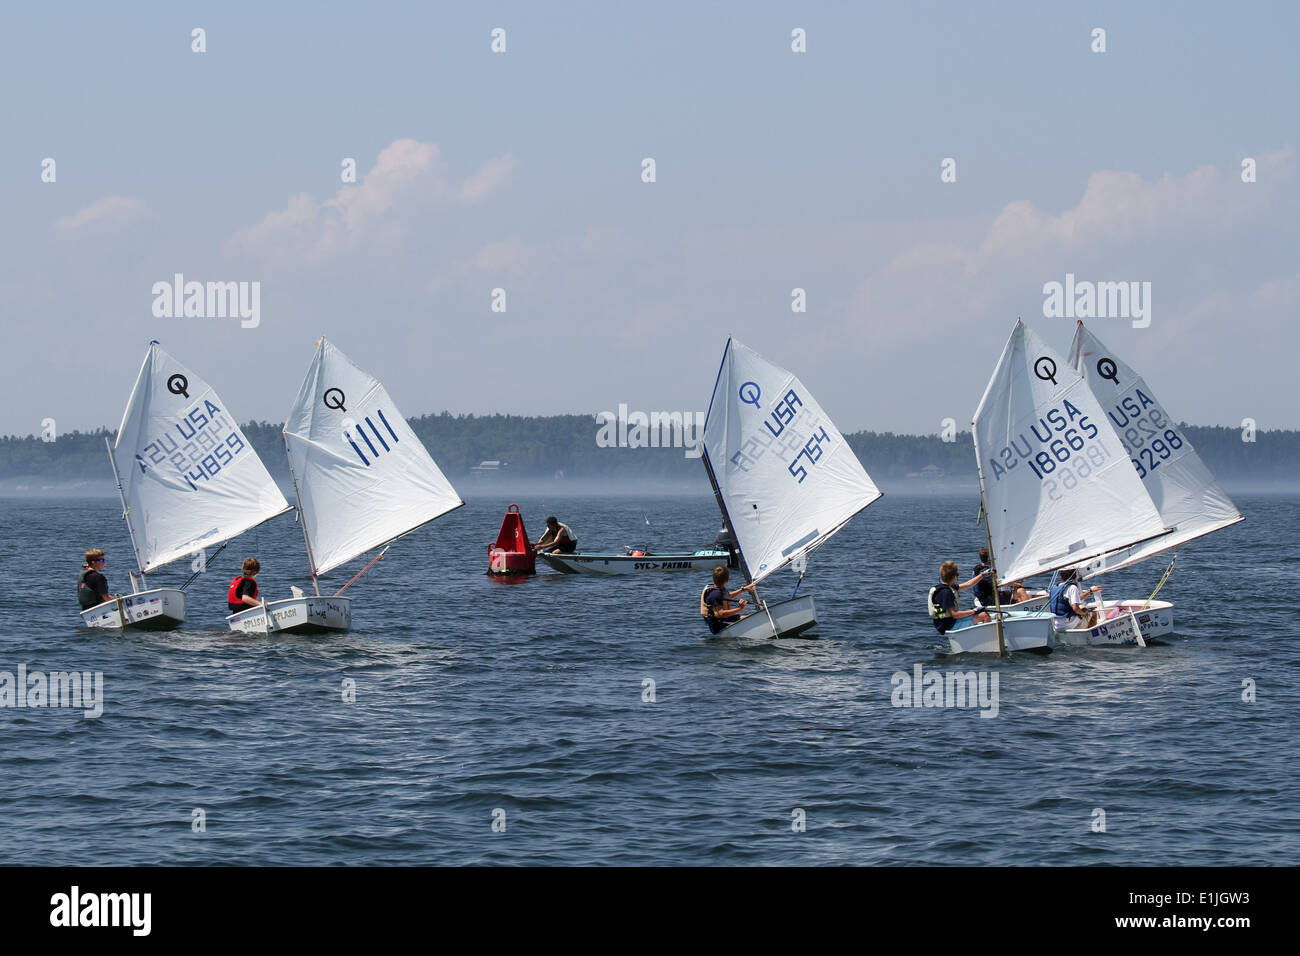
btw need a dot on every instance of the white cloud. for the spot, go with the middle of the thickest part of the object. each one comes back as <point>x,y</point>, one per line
<point>103,215</point>
<point>408,177</point>
<point>1122,221</point>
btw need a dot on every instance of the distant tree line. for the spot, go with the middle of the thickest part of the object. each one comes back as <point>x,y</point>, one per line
<point>542,447</point>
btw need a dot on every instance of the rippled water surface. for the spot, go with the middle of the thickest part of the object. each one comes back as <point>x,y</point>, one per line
<point>474,695</point>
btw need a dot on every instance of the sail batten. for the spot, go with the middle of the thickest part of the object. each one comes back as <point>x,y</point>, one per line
<point>1185,493</point>
<point>189,476</point>
<point>1056,483</point>
<point>785,478</point>
<point>362,476</point>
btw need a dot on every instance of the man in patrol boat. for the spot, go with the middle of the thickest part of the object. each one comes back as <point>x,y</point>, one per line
<point>557,537</point>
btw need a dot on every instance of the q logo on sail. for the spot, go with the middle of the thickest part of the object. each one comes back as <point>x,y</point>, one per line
<point>1045,369</point>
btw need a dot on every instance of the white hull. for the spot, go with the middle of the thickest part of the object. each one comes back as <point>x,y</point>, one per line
<point>1036,602</point>
<point>156,609</point>
<point>792,618</point>
<point>632,564</point>
<point>1020,633</point>
<point>1155,622</point>
<point>301,615</point>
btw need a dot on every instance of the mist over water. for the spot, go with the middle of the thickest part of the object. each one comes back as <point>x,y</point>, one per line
<point>475,694</point>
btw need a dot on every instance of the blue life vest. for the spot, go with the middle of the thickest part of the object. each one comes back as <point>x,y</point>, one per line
<point>1060,606</point>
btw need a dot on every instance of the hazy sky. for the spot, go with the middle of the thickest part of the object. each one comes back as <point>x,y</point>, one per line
<point>522,170</point>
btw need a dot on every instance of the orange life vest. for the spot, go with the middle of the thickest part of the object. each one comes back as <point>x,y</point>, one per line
<point>232,596</point>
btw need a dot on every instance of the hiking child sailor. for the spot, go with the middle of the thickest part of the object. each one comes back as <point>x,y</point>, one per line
<point>942,600</point>
<point>983,583</point>
<point>92,586</point>
<point>243,589</point>
<point>557,537</point>
<point>1066,602</point>
<point>715,601</point>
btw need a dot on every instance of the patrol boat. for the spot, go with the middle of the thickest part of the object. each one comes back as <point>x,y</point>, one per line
<point>1190,501</point>
<point>784,477</point>
<point>640,561</point>
<point>188,480</point>
<point>1056,488</point>
<point>361,479</point>
<point>634,561</point>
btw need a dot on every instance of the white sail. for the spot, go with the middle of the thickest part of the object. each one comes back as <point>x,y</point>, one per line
<point>1184,491</point>
<point>190,478</point>
<point>786,477</point>
<point>362,476</point>
<point>1058,488</point>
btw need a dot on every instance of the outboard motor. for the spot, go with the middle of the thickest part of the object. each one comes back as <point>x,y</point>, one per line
<point>725,542</point>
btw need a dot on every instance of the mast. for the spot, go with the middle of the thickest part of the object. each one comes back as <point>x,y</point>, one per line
<point>993,555</point>
<point>722,506</point>
<point>126,510</point>
<point>302,518</point>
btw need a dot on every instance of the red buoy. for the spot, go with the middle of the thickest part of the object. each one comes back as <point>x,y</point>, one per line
<point>512,552</point>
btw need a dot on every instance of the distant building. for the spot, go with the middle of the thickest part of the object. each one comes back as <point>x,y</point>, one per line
<point>928,473</point>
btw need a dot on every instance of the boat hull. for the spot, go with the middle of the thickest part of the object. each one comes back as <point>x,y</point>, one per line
<point>792,618</point>
<point>633,564</point>
<point>1036,602</point>
<point>1156,620</point>
<point>1025,631</point>
<point>309,614</point>
<point>157,609</point>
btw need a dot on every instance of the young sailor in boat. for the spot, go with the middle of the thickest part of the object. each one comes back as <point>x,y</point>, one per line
<point>558,537</point>
<point>1067,603</point>
<point>715,601</point>
<point>1013,593</point>
<point>943,600</point>
<point>243,589</point>
<point>92,586</point>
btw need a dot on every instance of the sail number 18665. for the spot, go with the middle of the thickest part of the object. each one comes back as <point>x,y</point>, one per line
<point>1057,452</point>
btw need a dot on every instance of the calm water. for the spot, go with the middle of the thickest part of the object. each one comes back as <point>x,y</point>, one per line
<point>473,695</point>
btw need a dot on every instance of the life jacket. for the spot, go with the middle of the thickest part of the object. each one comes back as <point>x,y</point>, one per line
<point>568,532</point>
<point>1059,605</point>
<point>232,596</point>
<point>86,597</point>
<point>984,589</point>
<point>706,609</point>
<point>938,613</point>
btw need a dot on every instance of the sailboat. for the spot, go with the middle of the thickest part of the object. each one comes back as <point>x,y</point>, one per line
<point>1056,487</point>
<point>362,480</point>
<point>784,477</point>
<point>1184,491</point>
<point>188,479</point>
